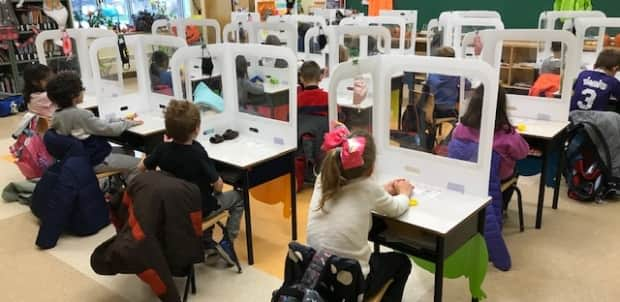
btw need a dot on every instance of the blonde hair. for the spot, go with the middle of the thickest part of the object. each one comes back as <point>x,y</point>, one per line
<point>333,176</point>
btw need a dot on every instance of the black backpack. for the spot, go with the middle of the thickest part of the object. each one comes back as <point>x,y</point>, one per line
<point>589,178</point>
<point>305,290</point>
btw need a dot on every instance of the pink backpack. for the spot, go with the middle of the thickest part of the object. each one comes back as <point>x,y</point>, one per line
<point>32,157</point>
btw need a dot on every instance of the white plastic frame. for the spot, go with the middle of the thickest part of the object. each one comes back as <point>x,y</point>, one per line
<point>336,36</point>
<point>182,24</point>
<point>295,19</point>
<point>233,28</point>
<point>457,24</point>
<point>417,166</point>
<point>290,32</point>
<point>582,25</point>
<point>313,33</point>
<point>550,17</point>
<point>144,100</point>
<point>267,129</point>
<point>444,22</point>
<point>236,17</point>
<point>399,21</point>
<point>81,37</point>
<point>535,107</point>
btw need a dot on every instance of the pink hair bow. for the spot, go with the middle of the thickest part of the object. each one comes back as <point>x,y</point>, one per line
<point>351,155</point>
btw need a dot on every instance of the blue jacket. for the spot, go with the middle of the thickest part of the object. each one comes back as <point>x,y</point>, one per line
<point>498,251</point>
<point>68,197</point>
<point>446,90</point>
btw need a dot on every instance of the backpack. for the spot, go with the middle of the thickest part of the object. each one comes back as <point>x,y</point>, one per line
<point>589,179</point>
<point>30,152</point>
<point>11,105</point>
<point>305,290</point>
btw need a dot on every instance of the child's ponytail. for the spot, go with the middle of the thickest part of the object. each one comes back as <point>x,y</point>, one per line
<point>331,178</point>
<point>348,157</point>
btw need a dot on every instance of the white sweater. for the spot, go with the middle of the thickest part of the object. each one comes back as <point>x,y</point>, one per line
<point>342,227</point>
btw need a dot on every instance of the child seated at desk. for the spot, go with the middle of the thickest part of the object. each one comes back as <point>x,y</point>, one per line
<point>273,62</point>
<point>548,83</point>
<point>311,99</point>
<point>245,87</point>
<point>161,78</point>
<point>186,158</point>
<point>445,88</point>
<point>341,206</point>
<point>66,91</point>
<point>36,77</point>
<point>593,88</point>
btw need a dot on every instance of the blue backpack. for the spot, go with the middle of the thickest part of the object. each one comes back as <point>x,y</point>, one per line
<point>11,105</point>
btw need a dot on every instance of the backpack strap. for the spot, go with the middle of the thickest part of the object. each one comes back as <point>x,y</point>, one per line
<point>315,268</point>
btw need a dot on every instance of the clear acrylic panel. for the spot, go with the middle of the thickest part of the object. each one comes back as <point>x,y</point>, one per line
<point>355,102</point>
<point>54,55</point>
<point>263,87</point>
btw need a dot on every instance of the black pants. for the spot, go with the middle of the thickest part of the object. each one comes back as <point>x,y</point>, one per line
<point>384,267</point>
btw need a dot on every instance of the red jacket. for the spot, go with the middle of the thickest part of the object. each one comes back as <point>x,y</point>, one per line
<point>546,85</point>
<point>312,100</point>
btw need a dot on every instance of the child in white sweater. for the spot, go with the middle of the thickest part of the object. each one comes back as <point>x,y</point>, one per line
<point>340,210</point>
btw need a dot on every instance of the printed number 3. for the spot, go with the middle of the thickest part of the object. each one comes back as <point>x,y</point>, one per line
<point>590,95</point>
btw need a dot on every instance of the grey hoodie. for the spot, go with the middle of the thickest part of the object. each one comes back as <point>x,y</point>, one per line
<point>81,124</point>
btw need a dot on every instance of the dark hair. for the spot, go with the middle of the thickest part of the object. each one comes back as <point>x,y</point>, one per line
<point>608,59</point>
<point>333,176</point>
<point>159,61</point>
<point>556,46</point>
<point>343,53</point>
<point>473,115</point>
<point>181,118</point>
<point>63,88</point>
<point>310,71</point>
<point>34,74</point>
<point>446,52</point>
<point>272,40</point>
<point>242,67</point>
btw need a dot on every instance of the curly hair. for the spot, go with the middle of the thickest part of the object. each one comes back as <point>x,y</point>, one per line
<point>64,88</point>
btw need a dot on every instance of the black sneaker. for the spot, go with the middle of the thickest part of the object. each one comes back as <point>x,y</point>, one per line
<point>211,253</point>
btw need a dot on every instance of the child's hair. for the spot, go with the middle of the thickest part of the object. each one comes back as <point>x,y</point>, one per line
<point>34,76</point>
<point>63,88</point>
<point>343,54</point>
<point>608,59</point>
<point>181,118</point>
<point>556,46</point>
<point>551,65</point>
<point>333,176</point>
<point>242,67</point>
<point>446,52</point>
<point>310,71</point>
<point>159,61</point>
<point>272,40</point>
<point>473,115</point>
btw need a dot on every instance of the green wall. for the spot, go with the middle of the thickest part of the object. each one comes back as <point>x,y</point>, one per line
<point>515,13</point>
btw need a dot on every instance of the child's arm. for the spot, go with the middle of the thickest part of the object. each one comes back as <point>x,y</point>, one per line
<point>616,91</point>
<point>519,148</point>
<point>394,206</point>
<point>150,162</point>
<point>96,126</point>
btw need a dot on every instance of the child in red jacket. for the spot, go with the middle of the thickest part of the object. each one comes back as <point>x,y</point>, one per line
<point>311,99</point>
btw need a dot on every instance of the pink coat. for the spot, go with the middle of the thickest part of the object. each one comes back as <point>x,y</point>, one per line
<point>509,144</point>
<point>41,105</point>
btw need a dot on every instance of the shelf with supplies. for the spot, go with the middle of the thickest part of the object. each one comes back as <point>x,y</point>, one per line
<point>519,64</point>
<point>16,55</point>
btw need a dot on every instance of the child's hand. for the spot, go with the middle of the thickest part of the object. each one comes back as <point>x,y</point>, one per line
<point>404,187</point>
<point>390,188</point>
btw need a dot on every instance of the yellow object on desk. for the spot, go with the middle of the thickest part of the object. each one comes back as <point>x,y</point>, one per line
<point>521,127</point>
<point>131,116</point>
<point>413,202</point>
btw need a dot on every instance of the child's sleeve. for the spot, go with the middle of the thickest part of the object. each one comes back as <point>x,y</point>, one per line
<point>519,148</point>
<point>388,205</point>
<point>96,126</point>
<point>616,91</point>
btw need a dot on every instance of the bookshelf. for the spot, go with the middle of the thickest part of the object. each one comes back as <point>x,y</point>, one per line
<point>518,69</point>
<point>16,55</point>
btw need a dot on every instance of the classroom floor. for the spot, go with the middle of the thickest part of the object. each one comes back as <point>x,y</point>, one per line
<point>573,258</point>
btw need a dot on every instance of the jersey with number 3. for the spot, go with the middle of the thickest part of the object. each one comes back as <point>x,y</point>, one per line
<point>593,89</point>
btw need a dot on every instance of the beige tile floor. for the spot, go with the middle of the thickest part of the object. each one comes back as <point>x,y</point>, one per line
<point>573,258</point>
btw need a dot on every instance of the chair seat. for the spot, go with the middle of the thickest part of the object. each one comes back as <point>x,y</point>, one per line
<point>213,219</point>
<point>509,184</point>
<point>442,120</point>
<point>379,295</point>
<point>103,175</point>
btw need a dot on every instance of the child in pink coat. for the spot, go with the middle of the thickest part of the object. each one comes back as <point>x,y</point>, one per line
<point>36,77</point>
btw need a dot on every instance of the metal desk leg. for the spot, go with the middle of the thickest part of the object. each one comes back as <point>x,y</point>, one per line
<point>541,186</point>
<point>439,270</point>
<point>558,175</point>
<point>293,200</point>
<point>248,219</point>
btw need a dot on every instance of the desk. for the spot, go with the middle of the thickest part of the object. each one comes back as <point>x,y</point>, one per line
<point>244,170</point>
<point>434,229</point>
<point>146,136</point>
<point>544,135</point>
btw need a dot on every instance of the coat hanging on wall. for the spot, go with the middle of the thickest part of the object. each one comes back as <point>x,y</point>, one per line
<point>564,5</point>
